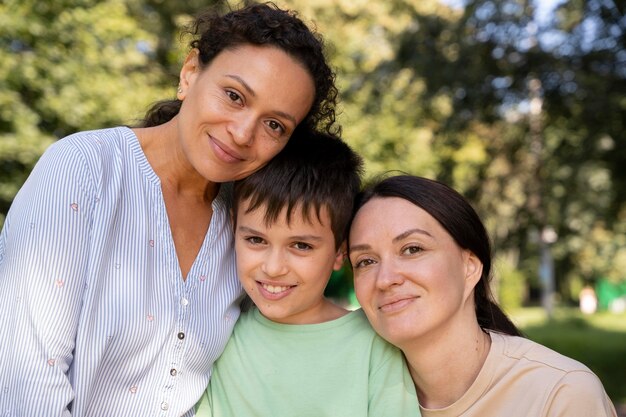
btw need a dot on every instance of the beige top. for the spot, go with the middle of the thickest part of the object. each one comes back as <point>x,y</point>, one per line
<point>521,378</point>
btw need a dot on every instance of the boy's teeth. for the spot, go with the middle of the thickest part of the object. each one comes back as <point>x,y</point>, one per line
<point>275,289</point>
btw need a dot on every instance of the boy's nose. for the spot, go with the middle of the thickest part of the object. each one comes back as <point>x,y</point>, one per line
<point>274,265</point>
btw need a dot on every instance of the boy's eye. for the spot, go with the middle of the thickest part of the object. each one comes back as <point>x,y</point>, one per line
<point>254,240</point>
<point>302,246</point>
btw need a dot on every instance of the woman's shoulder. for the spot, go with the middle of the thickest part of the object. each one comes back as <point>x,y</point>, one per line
<point>104,152</point>
<point>525,368</point>
<point>520,348</point>
<point>97,140</point>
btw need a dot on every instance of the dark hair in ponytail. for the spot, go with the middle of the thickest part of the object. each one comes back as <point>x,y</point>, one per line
<point>267,25</point>
<point>461,221</point>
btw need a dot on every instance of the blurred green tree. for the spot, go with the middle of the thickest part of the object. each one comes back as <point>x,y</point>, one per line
<point>518,104</point>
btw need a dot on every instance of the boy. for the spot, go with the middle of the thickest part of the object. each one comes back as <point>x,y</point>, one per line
<point>297,354</point>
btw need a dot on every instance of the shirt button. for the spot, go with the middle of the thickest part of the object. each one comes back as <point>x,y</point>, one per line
<point>181,335</point>
<point>173,371</point>
<point>164,406</point>
<point>184,301</point>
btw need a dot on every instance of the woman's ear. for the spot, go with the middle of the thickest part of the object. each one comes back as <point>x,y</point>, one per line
<point>188,72</point>
<point>473,271</point>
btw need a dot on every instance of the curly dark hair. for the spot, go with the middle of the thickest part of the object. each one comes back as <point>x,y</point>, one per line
<point>262,24</point>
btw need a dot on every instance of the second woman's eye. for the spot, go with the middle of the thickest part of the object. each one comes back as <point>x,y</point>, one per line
<point>412,249</point>
<point>362,263</point>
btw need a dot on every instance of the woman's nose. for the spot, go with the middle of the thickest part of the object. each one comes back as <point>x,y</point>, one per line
<point>242,129</point>
<point>388,275</point>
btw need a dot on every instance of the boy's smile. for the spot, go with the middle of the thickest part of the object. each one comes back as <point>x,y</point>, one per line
<point>285,266</point>
<point>274,292</point>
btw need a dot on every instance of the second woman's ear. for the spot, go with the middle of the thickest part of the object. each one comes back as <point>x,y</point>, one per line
<point>473,271</point>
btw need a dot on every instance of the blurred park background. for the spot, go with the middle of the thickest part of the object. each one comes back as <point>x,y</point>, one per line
<point>519,104</point>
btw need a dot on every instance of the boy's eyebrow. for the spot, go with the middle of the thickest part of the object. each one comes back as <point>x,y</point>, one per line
<point>307,238</point>
<point>247,229</point>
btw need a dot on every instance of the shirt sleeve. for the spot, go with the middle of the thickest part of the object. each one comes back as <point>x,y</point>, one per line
<point>579,394</point>
<point>203,407</point>
<point>391,389</point>
<point>43,262</point>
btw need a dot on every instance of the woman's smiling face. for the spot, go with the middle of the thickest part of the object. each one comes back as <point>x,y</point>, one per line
<point>239,111</point>
<point>409,273</point>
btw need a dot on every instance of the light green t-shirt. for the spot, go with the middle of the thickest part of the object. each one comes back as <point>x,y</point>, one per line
<point>340,368</point>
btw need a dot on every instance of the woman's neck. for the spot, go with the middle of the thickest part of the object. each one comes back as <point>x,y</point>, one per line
<point>162,148</point>
<point>444,365</point>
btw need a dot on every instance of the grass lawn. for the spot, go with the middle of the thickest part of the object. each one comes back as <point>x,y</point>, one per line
<point>598,341</point>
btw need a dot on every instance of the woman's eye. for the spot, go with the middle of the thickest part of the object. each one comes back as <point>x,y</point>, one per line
<point>276,127</point>
<point>233,96</point>
<point>362,263</point>
<point>411,250</point>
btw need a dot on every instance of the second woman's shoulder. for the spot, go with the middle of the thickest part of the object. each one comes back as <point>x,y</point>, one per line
<point>521,348</point>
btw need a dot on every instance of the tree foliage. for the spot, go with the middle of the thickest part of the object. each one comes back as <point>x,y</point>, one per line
<point>520,108</point>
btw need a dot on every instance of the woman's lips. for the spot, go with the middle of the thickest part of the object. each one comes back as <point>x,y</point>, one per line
<point>396,304</point>
<point>223,152</point>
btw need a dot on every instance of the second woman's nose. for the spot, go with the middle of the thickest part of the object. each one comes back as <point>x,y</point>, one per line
<point>388,275</point>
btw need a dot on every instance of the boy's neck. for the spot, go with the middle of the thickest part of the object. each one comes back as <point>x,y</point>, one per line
<point>328,311</point>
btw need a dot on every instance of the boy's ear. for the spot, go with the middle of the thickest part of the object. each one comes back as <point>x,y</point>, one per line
<point>340,256</point>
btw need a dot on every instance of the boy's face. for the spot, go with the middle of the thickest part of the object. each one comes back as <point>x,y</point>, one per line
<point>284,268</point>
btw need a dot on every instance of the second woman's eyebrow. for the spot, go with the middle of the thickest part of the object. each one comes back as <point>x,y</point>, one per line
<point>401,236</point>
<point>409,232</point>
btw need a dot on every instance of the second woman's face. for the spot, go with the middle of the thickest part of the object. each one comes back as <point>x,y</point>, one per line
<point>411,278</point>
<point>240,110</point>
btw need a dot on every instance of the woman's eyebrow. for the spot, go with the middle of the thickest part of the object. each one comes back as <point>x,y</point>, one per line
<point>409,232</point>
<point>249,89</point>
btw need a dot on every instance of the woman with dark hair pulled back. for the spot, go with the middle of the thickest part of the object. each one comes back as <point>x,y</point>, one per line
<point>422,265</point>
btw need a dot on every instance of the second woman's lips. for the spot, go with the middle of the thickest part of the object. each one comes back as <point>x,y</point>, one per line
<point>396,303</point>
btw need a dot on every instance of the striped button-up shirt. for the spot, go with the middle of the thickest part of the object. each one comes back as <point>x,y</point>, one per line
<point>96,319</point>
